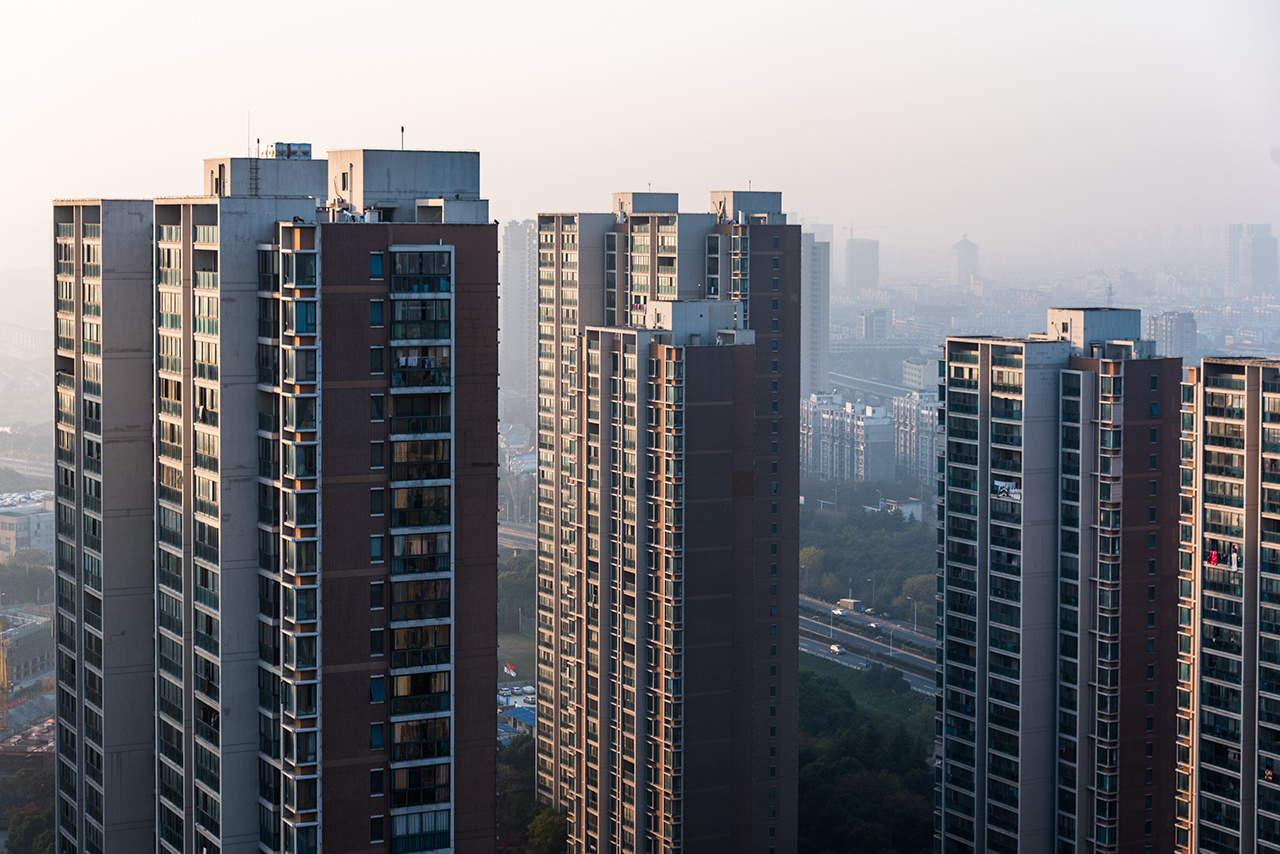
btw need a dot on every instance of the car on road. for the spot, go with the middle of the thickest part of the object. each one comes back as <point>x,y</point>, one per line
<point>871,611</point>
<point>838,612</point>
<point>872,626</point>
<point>504,692</point>
<point>885,614</point>
<point>837,649</point>
<point>529,689</point>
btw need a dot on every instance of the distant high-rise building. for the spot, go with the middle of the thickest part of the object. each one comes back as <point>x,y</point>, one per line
<point>290,636</point>
<point>966,252</point>
<point>841,441</point>
<point>915,435</point>
<point>669,499</point>
<point>1174,333</point>
<point>815,314</point>
<point>1253,259</point>
<point>1058,720</point>
<point>518,303</point>
<point>861,266</point>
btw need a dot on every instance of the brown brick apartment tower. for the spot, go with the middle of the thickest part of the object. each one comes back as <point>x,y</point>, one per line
<point>323,399</point>
<point>668,367</point>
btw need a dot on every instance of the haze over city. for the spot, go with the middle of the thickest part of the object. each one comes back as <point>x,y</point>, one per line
<point>1038,130</point>
<point>520,428</point>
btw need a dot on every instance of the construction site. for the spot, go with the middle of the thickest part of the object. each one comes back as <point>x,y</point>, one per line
<point>26,689</point>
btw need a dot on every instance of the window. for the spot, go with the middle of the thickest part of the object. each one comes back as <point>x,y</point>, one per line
<point>375,642</point>
<point>773,345</point>
<point>375,265</point>
<point>375,360</point>
<point>375,783</point>
<point>1151,487</point>
<point>375,312</point>
<point>1146,804</point>
<point>376,589</point>
<point>1155,409</point>
<point>1155,383</point>
<point>1151,645</point>
<point>773,467</point>
<point>1149,780</point>
<point>1151,514</point>
<point>375,736</point>
<point>375,549</point>
<point>775,284</point>
<point>1151,619</point>
<point>1151,567</point>
<point>376,502</point>
<point>375,455</point>
<point>377,833</point>
<point>1151,724</point>
<point>1152,434</point>
<point>1151,671</point>
<point>1151,700</point>
<point>1151,462</point>
<point>776,262</point>
<point>774,387</point>
<point>1151,541</point>
<point>376,402</point>
<point>775,243</point>
<point>1151,593</point>
<point>775,366</point>
<point>377,689</point>
<point>774,305</point>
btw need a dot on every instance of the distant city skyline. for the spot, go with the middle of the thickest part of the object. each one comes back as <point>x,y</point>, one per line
<point>1022,127</point>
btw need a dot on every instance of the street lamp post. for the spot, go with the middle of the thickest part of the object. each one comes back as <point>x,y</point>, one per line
<point>872,582</point>
<point>890,641</point>
<point>914,613</point>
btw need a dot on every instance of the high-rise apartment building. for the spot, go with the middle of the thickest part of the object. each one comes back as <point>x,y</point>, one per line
<point>1229,646</point>
<point>915,435</point>
<point>1059,599</point>
<point>517,338</point>
<point>861,266</point>
<point>1174,333</point>
<point>815,317</point>
<point>843,441</point>
<point>668,364</point>
<point>324,386</point>
<point>966,252</point>
<point>103,554</point>
<point>1252,259</point>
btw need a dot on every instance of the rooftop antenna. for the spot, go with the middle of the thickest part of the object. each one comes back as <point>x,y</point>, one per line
<point>402,137</point>
<point>248,130</point>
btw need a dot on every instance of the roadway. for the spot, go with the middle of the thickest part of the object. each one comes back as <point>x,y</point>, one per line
<point>910,628</point>
<point>860,662</point>
<point>875,387</point>
<point>513,536</point>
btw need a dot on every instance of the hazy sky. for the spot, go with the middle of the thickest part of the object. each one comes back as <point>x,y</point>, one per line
<point>913,121</point>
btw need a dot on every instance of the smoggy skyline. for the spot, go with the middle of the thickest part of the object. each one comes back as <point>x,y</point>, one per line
<point>912,123</point>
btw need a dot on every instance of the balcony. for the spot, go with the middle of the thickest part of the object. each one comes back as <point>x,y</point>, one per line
<point>414,377</point>
<point>169,233</point>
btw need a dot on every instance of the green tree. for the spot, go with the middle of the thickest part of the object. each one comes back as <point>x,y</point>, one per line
<point>549,832</point>
<point>517,578</point>
<point>26,577</point>
<point>516,801</point>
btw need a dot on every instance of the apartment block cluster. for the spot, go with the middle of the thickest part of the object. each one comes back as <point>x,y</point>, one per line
<point>1109,661</point>
<point>284,638</point>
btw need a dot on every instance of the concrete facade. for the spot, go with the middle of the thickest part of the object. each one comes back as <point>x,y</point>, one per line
<point>668,524</point>
<point>1058,622</point>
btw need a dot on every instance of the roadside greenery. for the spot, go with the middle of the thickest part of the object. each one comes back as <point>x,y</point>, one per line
<point>882,556</point>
